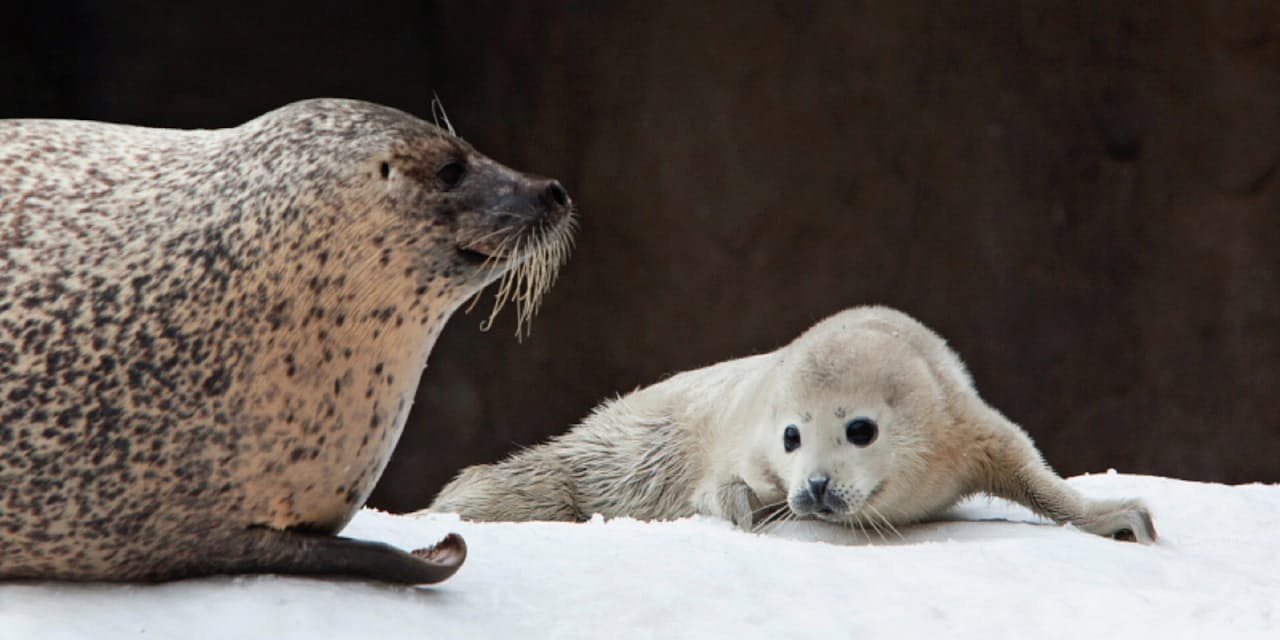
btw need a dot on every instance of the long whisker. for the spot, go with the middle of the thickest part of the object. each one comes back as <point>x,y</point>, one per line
<point>876,527</point>
<point>773,517</point>
<point>491,263</point>
<point>532,258</point>
<point>884,520</point>
<point>780,512</point>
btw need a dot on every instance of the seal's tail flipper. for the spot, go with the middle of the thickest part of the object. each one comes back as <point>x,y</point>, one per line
<point>310,554</point>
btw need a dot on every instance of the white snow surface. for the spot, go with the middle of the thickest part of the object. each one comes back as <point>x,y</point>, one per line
<point>989,570</point>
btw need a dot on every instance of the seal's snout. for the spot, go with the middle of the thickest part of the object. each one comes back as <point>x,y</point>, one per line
<point>554,200</point>
<point>817,496</point>
<point>555,196</point>
<point>818,488</point>
<point>531,199</point>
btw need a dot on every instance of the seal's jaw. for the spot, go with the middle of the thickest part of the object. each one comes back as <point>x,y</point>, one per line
<point>470,256</point>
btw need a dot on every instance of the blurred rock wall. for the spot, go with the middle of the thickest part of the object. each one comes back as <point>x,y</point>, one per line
<point>1081,196</point>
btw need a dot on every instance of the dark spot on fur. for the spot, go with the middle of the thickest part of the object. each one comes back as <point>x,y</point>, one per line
<point>217,382</point>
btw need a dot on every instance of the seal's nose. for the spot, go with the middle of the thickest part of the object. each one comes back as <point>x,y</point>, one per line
<point>555,195</point>
<point>818,487</point>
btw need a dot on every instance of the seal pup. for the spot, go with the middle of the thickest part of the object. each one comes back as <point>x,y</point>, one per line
<point>868,419</point>
<point>209,340</point>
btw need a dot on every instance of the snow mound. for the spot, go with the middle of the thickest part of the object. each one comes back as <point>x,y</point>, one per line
<point>990,569</point>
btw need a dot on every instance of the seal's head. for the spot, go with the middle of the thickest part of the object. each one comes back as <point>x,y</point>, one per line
<point>431,204</point>
<point>850,428</point>
<point>502,223</point>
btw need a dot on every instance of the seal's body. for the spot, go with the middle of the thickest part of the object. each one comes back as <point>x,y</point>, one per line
<point>209,340</point>
<point>867,419</point>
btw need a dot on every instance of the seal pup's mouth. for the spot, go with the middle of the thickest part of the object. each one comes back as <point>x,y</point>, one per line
<point>864,515</point>
<point>851,512</point>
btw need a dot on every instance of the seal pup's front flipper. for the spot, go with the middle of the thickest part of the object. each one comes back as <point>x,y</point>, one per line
<point>264,550</point>
<point>738,504</point>
<point>1045,493</point>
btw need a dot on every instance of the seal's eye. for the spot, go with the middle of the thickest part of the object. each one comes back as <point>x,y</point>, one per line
<point>791,438</point>
<point>452,173</point>
<point>861,431</point>
<point>385,170</point>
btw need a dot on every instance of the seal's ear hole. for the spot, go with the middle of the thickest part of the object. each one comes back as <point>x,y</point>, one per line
<point>452,173</point>
<point>385,170</point>
<point>790,438</point>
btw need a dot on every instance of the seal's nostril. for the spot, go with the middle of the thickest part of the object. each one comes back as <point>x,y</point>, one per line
<point>557,194</point>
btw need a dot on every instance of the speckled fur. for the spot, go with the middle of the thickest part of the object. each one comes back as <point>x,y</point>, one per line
<point>207,336</point>
<point>710,441</point>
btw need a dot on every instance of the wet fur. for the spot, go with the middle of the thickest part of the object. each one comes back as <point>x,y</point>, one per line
<point>709,441</point>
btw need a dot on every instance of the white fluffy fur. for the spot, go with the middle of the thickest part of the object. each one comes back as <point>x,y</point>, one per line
<point>710,441</point>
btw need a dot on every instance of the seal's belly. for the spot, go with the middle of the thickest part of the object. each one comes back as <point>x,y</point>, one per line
<point>334,441</point>
<point>319,494</point>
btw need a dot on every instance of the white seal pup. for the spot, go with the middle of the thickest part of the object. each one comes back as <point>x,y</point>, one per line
<point>867,419</point>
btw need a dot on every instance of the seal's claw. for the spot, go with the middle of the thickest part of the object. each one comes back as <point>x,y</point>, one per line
<point>1126,520</point>
<point>447,555</point>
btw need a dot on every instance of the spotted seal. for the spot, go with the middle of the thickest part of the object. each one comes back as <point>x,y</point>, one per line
<point>210,339</point>
<point>868,419</point>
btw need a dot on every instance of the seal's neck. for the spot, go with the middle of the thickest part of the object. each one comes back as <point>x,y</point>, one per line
<point>728,400</point>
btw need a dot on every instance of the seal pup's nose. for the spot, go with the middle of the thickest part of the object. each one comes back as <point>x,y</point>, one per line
<point>818,488</point>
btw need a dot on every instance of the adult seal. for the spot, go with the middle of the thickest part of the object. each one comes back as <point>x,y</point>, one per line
<point>867,419</point>
<point>209,340</point>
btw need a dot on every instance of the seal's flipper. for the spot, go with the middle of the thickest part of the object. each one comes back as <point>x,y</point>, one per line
<point>1127,520</point>
<point>738,504</point>
<point>1049,495</point>
<point>1017,472</point>
<point>310,554</point>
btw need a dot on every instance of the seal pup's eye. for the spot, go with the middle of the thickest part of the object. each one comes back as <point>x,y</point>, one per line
<point>861,431</point>
<point>385,169</point>
<point>791,438</point>
<point>452,173</point>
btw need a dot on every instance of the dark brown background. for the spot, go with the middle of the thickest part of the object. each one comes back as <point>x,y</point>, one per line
<point>1081,196</point>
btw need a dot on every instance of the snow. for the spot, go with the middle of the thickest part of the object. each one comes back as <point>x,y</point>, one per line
<point>990,570</point>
